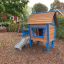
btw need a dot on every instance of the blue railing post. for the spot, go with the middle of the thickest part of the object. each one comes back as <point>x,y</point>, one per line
<point>31,42</point>
<point>48,38</point>
<point>53,44</point>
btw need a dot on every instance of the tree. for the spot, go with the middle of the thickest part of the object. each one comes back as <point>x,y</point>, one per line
<point>55,5</point>
<point>13,7</point>
<point>39,8</point>
<point>26,12</point>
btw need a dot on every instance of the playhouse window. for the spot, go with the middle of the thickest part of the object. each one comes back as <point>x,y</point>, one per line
<point>38,32</point>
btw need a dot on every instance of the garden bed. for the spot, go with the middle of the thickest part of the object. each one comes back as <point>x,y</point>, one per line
<point>3,29</point>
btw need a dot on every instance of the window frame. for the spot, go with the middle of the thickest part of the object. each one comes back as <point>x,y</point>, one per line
<point>37,36</point>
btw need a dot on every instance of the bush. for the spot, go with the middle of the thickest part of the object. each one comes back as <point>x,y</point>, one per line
<point>12,27</point>
<point>5,24</point>
<point>60,29</point>
<point>26,27</point>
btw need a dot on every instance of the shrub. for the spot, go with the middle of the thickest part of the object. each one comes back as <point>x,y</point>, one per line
<point>5,24</point>
<point>12,27</point>
<point>60,29</point>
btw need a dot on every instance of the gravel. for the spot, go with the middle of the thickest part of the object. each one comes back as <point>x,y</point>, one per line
<point>34,55</point>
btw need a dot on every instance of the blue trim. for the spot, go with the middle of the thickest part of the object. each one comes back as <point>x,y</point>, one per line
<point>31,42</point>
<point>25,33</point>
<point>48,39</point>
<point>48,33</point>
<point>47,12</point>
<point>55,33</point>
<point>37,27</point>
<point>53,44</point>
<point>47,45</point>
<point>56,10</point>
<point>39,12</point>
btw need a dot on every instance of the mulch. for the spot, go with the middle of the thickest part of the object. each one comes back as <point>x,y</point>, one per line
<point>34,55</point>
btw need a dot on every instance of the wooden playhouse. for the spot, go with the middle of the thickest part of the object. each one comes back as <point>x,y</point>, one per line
<point>42,28</point>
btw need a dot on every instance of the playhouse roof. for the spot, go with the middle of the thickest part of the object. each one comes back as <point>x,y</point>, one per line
<point>42,18</point>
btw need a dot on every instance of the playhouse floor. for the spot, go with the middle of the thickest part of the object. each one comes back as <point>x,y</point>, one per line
<point>35,55</point>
